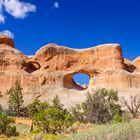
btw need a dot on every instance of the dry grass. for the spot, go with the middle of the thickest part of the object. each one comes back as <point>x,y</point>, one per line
<point>120,131</point>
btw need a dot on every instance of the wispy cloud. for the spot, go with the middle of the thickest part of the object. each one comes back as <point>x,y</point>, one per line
<point>7,33</point>
<point>56,4</point>
<point>2,18</point>
<point>18,9</point>
<point>15,8</point>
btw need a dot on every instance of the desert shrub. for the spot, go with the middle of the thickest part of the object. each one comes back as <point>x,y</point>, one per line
<point>78,113</point>
<point>43,136</point>
<point>15,102</point>
<point>1,109</point>
<point>127,116</point>
<point>56,103</point>
<point>24,111</point>
<point>116,118</point>
<point>50,118</point>
<point>132,105</point>
<point>101,106</point>
<point>5,126</point>
<point>35,108</point>
<point>11,131</point>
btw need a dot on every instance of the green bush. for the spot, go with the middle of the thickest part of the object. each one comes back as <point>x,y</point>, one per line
<point>101,106</point>
<point>78,114</point>
<point>6,127</point>
<point>116,118</point>
<point>50,118</point>
<point>11,131</point>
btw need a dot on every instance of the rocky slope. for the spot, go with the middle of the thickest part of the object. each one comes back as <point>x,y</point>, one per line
<point>51,69</point>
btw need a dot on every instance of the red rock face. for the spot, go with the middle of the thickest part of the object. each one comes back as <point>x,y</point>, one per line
<point>10,58</point>
<point>51,69</point>
<point>53,57</point>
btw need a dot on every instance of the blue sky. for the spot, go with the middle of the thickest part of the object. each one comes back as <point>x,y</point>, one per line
<point>81,79</point>
<point>73,23</point>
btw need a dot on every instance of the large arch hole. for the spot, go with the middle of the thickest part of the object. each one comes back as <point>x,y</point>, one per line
<point>81,80</point>
<point>78,80</point>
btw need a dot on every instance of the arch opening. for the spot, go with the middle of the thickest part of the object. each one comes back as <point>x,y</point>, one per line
<point>77,80</point>
<point>32,66</point>
<point>81,79</point>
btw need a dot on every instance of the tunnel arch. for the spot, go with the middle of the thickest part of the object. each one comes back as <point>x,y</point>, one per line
<point>69,82</point>
<point>81,79</point>
<point>32,66</point>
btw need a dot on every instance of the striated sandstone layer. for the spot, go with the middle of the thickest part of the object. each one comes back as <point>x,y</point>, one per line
<point>50,71</point>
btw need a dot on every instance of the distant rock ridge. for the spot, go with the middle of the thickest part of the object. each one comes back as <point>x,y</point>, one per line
<point>6,40</point>
<point>50,71</point>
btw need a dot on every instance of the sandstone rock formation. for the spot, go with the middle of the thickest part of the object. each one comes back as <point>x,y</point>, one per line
<point>6,40</point>
<point>50,71</point>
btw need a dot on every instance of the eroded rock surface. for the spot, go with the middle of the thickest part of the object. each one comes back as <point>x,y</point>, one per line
<point>50,71</point>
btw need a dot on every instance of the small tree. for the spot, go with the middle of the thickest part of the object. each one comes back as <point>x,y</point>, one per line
<point>101,105</point>
<point>56,103</point>
<point>133,105</point>
<point>49,118</point>
<point>33,110</point>
<point>15,102</point>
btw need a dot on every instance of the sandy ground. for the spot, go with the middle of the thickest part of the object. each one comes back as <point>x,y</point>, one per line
<point>25,121</point>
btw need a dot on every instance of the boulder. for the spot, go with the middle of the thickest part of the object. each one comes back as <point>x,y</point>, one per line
<point>6,41</point>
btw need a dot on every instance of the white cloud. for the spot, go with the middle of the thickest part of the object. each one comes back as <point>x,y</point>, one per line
<point>18,9</point>
<point>15,8</point>
<point>1,3</point>
<point>2,19</point>
<point>7,33</point>
<point>56,4</point>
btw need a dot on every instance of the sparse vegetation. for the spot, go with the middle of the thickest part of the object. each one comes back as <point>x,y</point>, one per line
<point>119,131</point>
<point>6,127</point>
<point>53,121</point>
<point>50,118</point>
<point>133,105</point>
<point>101,106</point>
<point>78,113</point>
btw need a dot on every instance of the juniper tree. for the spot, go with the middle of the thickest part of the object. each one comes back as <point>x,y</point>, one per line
<point>56,102</point>
<point>49,118</point>
<point>101,106</point>
<point>15,102</point>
